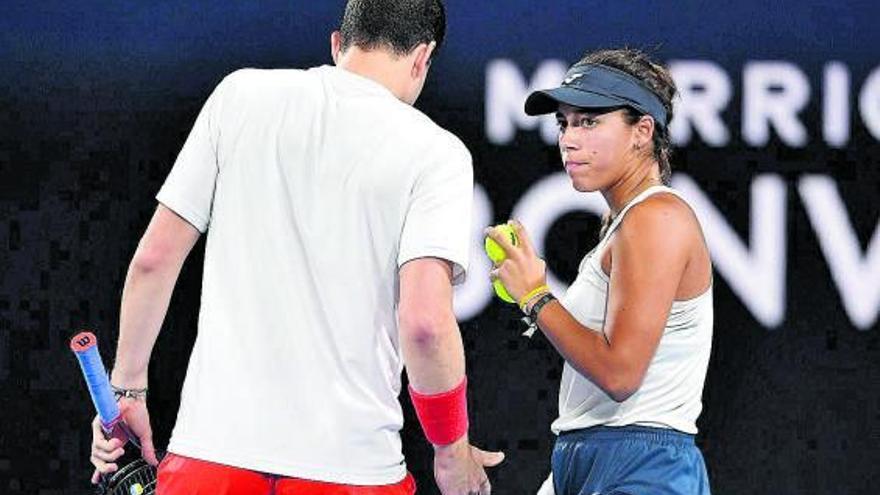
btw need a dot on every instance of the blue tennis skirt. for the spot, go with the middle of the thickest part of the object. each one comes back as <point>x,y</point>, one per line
<point>628,460</point>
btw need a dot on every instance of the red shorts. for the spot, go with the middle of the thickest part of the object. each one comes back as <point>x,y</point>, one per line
<point>180,475</point>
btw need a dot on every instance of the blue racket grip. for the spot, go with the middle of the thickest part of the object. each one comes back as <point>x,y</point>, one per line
<point>85,347</point>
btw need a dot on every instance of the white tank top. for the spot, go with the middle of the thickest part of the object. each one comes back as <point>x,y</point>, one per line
<point>670,395</point>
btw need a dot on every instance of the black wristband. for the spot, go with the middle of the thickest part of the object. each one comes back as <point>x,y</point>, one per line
<point>539,305</point>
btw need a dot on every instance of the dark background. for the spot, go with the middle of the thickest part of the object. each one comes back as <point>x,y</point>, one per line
<point>96,99</point>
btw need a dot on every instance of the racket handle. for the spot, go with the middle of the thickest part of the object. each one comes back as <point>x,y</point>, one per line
<point>85,346</point>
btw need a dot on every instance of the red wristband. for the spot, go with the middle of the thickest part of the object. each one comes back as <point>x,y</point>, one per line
<point>443,416</point>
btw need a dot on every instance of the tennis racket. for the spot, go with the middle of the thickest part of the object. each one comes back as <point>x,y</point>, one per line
<point>135,477</point>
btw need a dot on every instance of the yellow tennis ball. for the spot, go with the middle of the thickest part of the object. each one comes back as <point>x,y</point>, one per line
<point>494,250</point>
<point>501,292</point>
<point>496,253</point>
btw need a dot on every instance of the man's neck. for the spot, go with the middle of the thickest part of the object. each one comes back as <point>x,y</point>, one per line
<point>380,66</point>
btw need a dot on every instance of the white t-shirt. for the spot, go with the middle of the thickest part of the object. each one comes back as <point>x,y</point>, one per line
<point>314,187</point>
<point>670,395</point>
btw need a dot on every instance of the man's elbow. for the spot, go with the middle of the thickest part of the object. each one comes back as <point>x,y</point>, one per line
<point>424,328</point>
<point>151,259</point>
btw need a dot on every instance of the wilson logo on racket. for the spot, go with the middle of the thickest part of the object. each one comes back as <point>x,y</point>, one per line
<point>84,341</point>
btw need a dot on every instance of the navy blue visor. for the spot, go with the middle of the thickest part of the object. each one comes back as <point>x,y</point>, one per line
<point>597,86</point>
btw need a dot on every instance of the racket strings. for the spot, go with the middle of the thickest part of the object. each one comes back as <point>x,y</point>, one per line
<point>137,478</point>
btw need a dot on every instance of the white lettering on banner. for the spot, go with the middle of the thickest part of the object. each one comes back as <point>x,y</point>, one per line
<point>755,272</point>
<point>857,277</point>
<point>835,105</point>
<point>506,92</point>
<point>704,90</point>
<point>869,103</point>
<point>774,93</point>
<point>471,297</point>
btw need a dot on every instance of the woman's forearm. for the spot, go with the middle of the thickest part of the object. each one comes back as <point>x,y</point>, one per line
<point>588,352</point>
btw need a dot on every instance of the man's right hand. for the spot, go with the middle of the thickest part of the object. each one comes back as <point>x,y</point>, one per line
<point>459,468</point>
<point>106,451</point>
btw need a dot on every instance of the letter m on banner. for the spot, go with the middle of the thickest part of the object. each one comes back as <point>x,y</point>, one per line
<point>506,92</point>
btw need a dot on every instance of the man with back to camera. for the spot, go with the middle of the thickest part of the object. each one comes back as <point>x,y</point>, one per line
<point>333,212</point>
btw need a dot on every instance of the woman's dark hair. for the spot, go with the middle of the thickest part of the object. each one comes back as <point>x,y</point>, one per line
<point>400,25</point>
<point>657,78</point>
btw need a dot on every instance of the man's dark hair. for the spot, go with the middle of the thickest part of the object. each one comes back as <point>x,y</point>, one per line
<point>398,25</point>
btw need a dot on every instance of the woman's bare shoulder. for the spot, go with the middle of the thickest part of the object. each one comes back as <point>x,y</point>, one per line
<point>661,212</point>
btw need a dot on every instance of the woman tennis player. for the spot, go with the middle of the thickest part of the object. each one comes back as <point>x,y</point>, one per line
<point>635,327</point>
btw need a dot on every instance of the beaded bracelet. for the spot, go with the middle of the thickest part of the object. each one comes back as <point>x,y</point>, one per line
<point>129,393</point>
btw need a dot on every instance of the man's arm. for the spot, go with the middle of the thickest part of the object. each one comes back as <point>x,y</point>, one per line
<point>434,357</point>
<point>151,277</point>
<point>429,335</point>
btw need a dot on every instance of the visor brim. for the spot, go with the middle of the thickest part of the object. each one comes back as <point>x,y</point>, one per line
<point>546,101</point>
